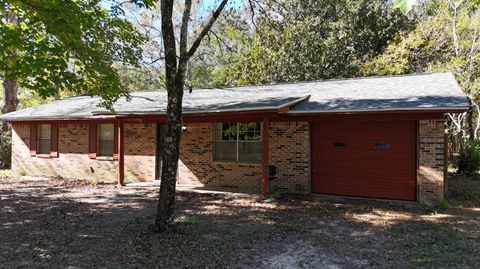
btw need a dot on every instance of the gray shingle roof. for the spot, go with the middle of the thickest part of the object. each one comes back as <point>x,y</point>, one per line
<point>429,91</point>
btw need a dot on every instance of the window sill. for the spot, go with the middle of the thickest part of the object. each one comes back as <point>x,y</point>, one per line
<point>44,156</point>
<point>238,163</point>
<point>104,158</point>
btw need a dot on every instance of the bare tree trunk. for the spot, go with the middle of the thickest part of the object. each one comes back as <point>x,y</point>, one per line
<point>10,93</point>
<point>10,101</point>
<point>57,91</point>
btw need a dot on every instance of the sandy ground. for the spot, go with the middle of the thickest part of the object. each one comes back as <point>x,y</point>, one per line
<point>70,224</point>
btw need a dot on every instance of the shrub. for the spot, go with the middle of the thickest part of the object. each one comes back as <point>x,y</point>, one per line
<point>465,189</point>
<point>5,147</point>
<point>441,204</point>
<point>468,161</point>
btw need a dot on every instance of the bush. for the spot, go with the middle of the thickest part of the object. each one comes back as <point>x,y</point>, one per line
<point>464,189</point>
<point>5,147</point>
<point>468,161</point>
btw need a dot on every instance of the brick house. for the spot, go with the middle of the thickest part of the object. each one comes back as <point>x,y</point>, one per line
<point>379,137</point>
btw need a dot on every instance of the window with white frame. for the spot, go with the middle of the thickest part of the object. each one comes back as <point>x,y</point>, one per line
<point>238,142</point>
<point>44,139</point>
<point>106,140</point>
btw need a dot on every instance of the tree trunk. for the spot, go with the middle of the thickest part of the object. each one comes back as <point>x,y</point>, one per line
<point>10,93</point>
<point>10,101</point>
<point>469,124</point>
<point>175,82</point>
<point>173,133</point>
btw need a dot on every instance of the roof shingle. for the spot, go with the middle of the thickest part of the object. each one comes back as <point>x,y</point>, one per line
<point>428,91</point>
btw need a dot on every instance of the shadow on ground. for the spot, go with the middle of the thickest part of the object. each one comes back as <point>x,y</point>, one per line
<point>53,224</point>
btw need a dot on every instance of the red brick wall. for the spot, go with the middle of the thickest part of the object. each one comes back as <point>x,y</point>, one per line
<point>197,166</point>
<point>290,154</point>
<point>73,161</point>
<point>140,148</point>
<point>430,174</point>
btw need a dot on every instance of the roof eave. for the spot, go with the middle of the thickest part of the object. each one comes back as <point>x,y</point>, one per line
<point>382,110</point>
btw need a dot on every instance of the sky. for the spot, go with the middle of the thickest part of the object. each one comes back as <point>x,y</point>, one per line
<point>206,5</point>
<point>209,4</point>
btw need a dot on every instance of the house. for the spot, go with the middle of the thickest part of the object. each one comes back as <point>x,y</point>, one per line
<point>380,137</point>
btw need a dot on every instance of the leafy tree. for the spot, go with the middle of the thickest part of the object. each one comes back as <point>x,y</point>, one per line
<point>144,78</point>
<point>445,39</point>
<point>308,40</point>
<point>50,45</point>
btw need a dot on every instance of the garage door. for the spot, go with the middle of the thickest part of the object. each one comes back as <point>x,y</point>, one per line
<point>367,159</point>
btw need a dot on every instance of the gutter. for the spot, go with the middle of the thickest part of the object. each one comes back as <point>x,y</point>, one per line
<point>279,108</point>
<point>379,110</point>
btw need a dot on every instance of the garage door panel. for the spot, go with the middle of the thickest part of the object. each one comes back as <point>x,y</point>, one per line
<point>365,181</point>
<point>388,174</point>
<point>365,144</point>
<point>354,155</point>
<point>373,132</point>
<point>371,192</point>
<point>365,163</point>
<point>368,159</point>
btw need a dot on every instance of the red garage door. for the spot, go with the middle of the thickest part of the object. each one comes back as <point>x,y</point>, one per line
<point>369,159</point>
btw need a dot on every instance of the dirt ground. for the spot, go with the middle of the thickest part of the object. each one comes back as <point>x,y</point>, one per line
<point>70,224</point>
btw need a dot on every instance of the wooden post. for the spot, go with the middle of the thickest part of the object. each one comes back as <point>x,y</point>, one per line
<point>121,154</point>
<point>265,150</point>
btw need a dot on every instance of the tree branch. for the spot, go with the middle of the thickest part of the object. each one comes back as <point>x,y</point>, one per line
<point>205,30</point>
<point>184,28</point>
<point>221,41</point>
<point>169,43</point>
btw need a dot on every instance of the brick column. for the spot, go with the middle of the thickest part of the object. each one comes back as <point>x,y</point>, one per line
<point>290,154</point>
<point>431,160</point>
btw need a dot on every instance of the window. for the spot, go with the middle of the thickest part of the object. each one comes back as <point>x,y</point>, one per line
<point>106,140</point>
<point>44,138</point>
<point>238,142</point>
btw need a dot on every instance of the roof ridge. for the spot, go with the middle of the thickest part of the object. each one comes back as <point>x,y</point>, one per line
<point>309,81</point>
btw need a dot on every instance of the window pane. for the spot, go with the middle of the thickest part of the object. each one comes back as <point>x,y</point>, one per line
<point>44,131</point>
<point>249,131</point>
<point>106,148</point>
<point>225,150</point>
<point>250,151</point>
<point>107,132</point>
<point>106,137</point>
<point>43,146</point>
<point>229,131</point>
<point>218,131</point>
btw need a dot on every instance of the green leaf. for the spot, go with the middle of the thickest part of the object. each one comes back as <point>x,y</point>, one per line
<point>405,5</point>
<point>457,3</point>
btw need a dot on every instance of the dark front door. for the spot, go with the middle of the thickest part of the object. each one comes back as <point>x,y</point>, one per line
<point>159,151</point>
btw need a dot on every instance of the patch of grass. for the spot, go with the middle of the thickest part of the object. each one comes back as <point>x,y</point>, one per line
<point>465,191</point>
<point>192,224</point>
<point>433,245</point>
<point>441,204</point>
<point>5,173</point>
